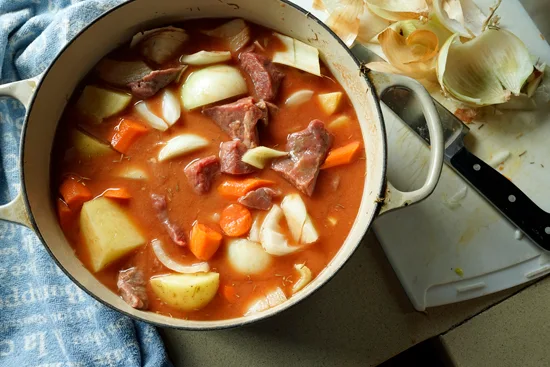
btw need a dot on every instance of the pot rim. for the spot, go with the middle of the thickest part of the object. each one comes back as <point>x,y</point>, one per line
<point>266,315</point>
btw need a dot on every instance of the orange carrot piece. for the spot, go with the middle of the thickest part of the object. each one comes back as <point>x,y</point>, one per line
<point>117,193</point>
<point>342,155</point>
<point>74,193</point>
<point>236,220</point>
<point>236,189</point>
<point>127,133</point>
<point>230,293</point>
<point>64,214</point>
<point>204,241</point>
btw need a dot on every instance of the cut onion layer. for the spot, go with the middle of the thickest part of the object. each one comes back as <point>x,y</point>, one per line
<point>171,264</point>
<point>235,32</point>
<point>205,57</point>
<point>270,300</point>
<point>305,277</point>
<point>180,145</point>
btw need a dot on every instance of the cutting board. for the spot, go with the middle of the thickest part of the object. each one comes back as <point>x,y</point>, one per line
<point>454,246</point>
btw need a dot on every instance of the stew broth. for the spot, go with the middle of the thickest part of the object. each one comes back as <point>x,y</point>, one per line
<point>332,207</point>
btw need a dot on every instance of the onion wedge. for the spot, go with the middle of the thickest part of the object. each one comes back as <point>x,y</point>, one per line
<point>305,277</point>
<point>273,240</point>
<point>205,57</point>
<point>180,145</point>
<point>299,97</point>
<point>259,156</point>
<point>149,117</point>
<point>272,299</point>
<point>171,264</point>
<point>171,109</point>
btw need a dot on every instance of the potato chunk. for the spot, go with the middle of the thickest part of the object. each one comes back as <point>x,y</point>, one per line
<point>100,103</point>
<point>186,292</point>
<point>330,101</point>
<point>108,232</point>
<point>89,147</point>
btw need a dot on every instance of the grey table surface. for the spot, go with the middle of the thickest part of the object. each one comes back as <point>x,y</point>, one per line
<point>360,318</point>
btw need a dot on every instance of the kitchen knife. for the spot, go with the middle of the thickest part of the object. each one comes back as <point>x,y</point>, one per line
<point>497,189</point>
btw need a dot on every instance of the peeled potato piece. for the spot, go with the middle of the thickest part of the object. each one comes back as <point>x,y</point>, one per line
<point>330,102</point>
<point>100,103</point>
<point>88,146</point>
<point>247,257</point>
<point>108,232</point>
<point>186,292</point>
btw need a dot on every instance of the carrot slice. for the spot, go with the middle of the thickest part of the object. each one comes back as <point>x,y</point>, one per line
<point>127,133</point>
<point>64,214</point>
<point>236,220</point>
<point>74,193</point>
<point>117,193</point>
<point>236,189</point>
<point>204,241</point>
<point>342,155</point>
<point>230,293</point>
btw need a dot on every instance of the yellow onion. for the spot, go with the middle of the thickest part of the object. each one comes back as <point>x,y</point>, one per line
<point>460,16</point>
<point>486,70</point>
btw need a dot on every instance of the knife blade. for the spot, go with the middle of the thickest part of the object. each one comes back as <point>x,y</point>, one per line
<point>506,197</point>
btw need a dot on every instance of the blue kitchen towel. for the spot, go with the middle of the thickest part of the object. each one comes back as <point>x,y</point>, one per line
<point>45,319</point>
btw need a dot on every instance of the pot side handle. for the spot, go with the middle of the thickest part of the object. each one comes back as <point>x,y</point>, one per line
<point>396,199</point>
<point>15,211</point>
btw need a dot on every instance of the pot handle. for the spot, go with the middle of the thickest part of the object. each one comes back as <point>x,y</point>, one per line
<point>15,211</point>
<point>396,199</point>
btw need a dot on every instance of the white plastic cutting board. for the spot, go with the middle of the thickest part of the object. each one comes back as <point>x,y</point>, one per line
<point>452,247</point>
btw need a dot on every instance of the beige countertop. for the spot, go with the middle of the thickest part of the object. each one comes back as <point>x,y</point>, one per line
<point>363,317</point>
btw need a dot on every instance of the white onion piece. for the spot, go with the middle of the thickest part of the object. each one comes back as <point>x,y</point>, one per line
<point>171,264</point>
<point>180,145</point>
<point>150,118</point>
<point>171,109</point>
<point>133,173</point>
<point>299,222</point>
<point>298,55</point>
<point>299,97</point>
<point>205,57</point>
<point>254,233</point>
<point>305,277</point>
<point>212,84</point>
<point>272,299</point>
<point>259,156</point>
<point>273,240</point>
<point>247,257</point>
<point>120,73</point>
<point>161,44</point>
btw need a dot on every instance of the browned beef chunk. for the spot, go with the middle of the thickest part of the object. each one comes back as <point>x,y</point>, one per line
<point>131,286</point>
<point>265,76</point>
<point>150,84</point>
<point>239,119</point>
<point>261,199</point>
<point>200,173</point>
<point>231,153</point>
<point>308,150</point>
<point>176,233</point>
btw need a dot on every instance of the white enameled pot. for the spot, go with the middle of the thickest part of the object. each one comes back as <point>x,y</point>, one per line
<point>45,98</point>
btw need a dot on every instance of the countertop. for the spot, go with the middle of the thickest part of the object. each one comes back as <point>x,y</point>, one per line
<point>363,317</point>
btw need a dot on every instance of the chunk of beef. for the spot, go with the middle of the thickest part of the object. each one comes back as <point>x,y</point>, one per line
<point>308,150</point>
<point>200,173</point>
<point>131,286</point>
<point>265,76</point>
<point>239,119</point>
<point>150,84</point>
<point>261,199</point>
<point>176,233</point>
<point>231,153</point>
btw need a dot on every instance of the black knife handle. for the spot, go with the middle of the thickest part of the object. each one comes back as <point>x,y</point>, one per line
<point>505,196</point>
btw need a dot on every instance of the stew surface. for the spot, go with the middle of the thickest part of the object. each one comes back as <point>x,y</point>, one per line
<point>134,195</point>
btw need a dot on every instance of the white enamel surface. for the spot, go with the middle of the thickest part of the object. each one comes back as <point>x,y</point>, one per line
<point>120,25</point>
